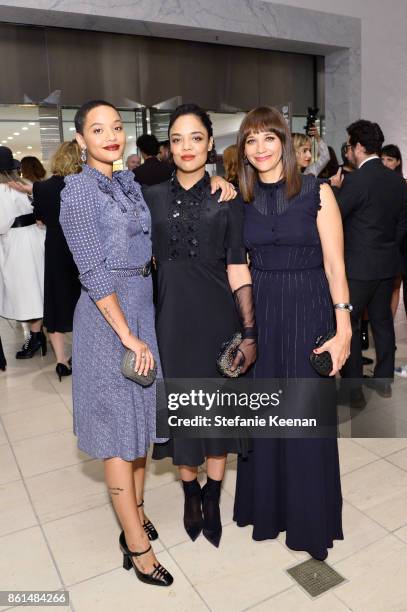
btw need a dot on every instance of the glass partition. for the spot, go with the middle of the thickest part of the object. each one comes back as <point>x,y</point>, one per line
<point>20,130</point>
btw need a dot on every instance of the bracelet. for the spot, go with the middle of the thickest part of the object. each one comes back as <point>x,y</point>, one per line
<point>343,306</point>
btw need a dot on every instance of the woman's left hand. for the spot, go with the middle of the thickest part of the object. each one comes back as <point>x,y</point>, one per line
<point>339,349</point>
<point>228,191</point>
<point>246,355</point>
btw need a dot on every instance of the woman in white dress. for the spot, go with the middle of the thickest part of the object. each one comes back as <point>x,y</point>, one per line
<point>21,259</point>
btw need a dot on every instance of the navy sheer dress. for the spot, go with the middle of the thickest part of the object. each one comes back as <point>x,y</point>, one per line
<point>293,484</point>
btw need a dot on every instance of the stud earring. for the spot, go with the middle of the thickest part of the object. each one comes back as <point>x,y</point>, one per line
<point>83,156</point>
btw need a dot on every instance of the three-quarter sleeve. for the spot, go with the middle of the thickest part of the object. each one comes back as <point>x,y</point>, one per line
<point>234,244</point>
<point>80,224</point>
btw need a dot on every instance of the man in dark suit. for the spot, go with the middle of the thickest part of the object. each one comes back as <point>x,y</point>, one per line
<point>373,204</point>
<point>152,171</point>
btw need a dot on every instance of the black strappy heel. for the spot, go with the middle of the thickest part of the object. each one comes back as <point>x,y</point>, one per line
<point>148,527</point>
<point>158,577</point>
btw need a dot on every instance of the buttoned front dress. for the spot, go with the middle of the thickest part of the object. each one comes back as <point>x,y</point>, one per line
<point>108,230</point>
<point>194,239</point>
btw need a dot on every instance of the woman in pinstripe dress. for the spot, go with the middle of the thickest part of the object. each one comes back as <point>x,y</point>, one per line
<point>293,231</point>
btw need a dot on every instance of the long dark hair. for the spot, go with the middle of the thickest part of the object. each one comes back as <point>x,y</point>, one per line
<point>392,150</point>
<point>194,109</point>
<point>266,119</point>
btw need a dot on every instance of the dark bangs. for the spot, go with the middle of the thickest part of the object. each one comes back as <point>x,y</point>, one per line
<point>259,120</point>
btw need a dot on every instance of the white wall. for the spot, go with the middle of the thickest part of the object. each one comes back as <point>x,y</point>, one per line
<point>384,59</point>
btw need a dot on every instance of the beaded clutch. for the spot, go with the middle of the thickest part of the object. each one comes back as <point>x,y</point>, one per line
<point>322,363</point>
<point>127,369</point>
<point>227,355</point>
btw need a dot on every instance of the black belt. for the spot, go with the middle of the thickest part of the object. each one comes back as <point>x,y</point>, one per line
<point>24,221</point>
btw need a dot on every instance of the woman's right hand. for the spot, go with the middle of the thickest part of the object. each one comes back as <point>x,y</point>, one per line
<point>144,357</point>
<point>21,187</point>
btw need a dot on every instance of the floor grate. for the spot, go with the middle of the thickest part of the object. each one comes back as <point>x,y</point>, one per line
<point>316,577</point>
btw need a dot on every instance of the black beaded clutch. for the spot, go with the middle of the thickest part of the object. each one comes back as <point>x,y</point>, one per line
<point>227,355</point>
<point>128,361</point>
<point>322,363</point>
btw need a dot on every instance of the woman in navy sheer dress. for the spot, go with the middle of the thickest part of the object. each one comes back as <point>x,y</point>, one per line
<point>293,232</point>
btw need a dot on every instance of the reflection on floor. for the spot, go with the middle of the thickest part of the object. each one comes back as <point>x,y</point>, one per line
<point>57,527</point>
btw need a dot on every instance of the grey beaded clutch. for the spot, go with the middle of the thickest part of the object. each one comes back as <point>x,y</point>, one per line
<point>227,355</point>
<point>128,361</point>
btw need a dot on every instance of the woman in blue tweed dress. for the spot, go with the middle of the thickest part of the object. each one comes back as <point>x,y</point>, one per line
<point>107,226</point>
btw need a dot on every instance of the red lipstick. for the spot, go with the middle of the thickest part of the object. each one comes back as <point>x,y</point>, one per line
<point>112,147</point>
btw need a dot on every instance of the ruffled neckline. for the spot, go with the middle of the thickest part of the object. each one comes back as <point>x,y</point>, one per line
<point>124,177</point>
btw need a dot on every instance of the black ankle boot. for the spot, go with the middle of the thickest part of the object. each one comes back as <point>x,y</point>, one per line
<point>193,520</point>
<point>34,342</point>
<point>364,335</point>
<point>212,526</point>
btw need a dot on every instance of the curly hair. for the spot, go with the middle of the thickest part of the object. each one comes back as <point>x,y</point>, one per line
<point>367,134</point>
<point>67,159</point>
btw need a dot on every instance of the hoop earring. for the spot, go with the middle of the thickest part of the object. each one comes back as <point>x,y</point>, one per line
<point>83,156</point>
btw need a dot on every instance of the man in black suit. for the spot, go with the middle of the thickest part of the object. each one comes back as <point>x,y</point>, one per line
<point>152,171</point>
<point>373,204</point>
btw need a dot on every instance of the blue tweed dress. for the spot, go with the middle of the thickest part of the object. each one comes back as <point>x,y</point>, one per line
<point>108,229</point>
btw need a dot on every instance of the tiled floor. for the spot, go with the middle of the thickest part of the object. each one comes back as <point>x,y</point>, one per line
<point>58,530</point>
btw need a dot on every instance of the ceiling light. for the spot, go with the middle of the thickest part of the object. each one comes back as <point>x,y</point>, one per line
<point>9,138</point>
<point>29,147</point>
<point>16,133</point>
<point>18,153</point>
<point>4,141</point>
<point>31,123</point>
<point>130,137</point>
<point>71,129</point>
<point>25,128</point>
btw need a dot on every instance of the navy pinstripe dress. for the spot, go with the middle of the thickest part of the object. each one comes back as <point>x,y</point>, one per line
<point>290,485</point>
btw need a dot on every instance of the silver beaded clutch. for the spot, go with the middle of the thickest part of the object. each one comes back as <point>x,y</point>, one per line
<point>227,355</point>
<point>128,361</point>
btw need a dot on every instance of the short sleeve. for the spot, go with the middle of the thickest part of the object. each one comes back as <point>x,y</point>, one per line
<point>234,244</point>
<point>79,221</point>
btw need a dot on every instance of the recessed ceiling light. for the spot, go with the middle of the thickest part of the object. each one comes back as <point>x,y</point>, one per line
<point>71,129</point>
<point>25,128</point>
<point>29,147</point>
<point>130,137</point>
<point>18,153</point>
<point>4,141</point>
<point>31,123</point>
<point>9,138</point>
<point>16,133</point>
